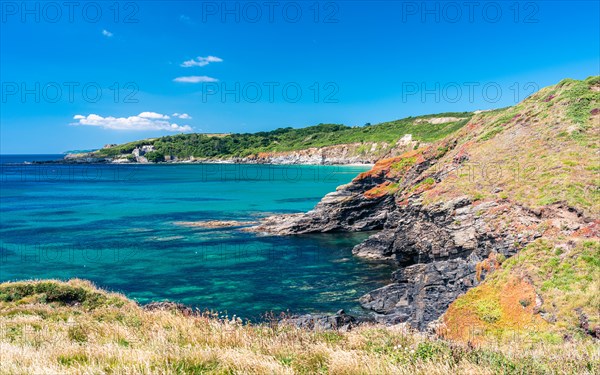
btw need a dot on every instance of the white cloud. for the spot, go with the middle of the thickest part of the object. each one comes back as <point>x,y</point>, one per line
<point>107,33</point>
<point>153,115</point>
<point>201,61</point>
<point>195,79</point>
<point>183,116</point>
<point>143,121</point>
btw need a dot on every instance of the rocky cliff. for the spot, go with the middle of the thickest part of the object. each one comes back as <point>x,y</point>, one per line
<point>444,212</point>
<point>348,153</point>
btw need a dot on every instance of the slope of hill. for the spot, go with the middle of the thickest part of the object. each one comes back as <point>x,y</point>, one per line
<point>505,179</point>
<point>324,143</point>
<point>54,327</point>
<point>549,291</point>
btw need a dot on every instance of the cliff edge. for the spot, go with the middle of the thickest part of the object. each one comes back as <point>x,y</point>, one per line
<point>508,178</point>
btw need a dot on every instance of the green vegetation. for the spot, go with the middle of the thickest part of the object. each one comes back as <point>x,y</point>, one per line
<point>535,312</point>
<point>491,133</point>
<point>155,156</point>
<point>63,337</point>
<point>536,153</point>
<point>55,293</point>
<point>403,164</point>
<point>289,139</point>
<point>549,290</point>
<point>581,100</point>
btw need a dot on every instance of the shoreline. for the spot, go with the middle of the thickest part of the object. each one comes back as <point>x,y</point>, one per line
<point>210,162</point>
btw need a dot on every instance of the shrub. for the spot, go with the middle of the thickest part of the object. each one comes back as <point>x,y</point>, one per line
<point>488,310</point>
<point>155,156</point>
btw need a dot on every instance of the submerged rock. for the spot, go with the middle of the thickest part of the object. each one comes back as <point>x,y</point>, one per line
<point>213,223</point>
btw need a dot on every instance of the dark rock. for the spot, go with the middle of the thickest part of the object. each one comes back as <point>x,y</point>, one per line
<point>169,306</point>
<point>437,247</point>
<point>346,209</point>
<point>340,321</point>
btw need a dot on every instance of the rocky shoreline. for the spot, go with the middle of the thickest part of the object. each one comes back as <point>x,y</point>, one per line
<point>441,249</point>
<point>450,212</point>
<point>249,161</point>
<point>360,153</point>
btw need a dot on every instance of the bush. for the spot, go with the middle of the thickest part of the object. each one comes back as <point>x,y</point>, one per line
<point>155,156</point>
<point>53,291</point>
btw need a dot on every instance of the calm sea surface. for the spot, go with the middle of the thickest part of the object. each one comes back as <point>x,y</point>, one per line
<point>116,225</point>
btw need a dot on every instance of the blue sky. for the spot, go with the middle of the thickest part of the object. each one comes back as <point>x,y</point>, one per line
<point>152,68</point>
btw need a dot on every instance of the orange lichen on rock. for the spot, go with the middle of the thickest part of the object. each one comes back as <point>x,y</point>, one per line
<point>489,264</point>
<point>591,230</point>
<point>462,153</point>
<point>264,155</point>
<point>378,170</point>
<point>493,310</point>
<point>473,125</point>
<point>391,166</point>
<point>382,189</point>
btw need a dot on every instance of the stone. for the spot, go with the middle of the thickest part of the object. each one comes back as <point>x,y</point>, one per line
<point>323,322</point>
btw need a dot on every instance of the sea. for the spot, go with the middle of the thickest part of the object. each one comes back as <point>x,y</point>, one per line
<point>119,226</point>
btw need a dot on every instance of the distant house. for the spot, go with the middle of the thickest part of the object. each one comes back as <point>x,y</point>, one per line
<point>147,148</point>
<point>137,152</point>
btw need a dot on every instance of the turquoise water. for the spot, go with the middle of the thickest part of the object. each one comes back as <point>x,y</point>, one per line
<point>115,225</point>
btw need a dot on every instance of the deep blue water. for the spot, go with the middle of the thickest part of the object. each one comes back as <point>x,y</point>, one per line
<point>115,225</point>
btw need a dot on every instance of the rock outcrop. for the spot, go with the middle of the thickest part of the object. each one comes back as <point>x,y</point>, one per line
<point>441,250</point>
<point>445,225</point>
<point>321,322</point>
<point>345,210</point>
<point>445,249</point>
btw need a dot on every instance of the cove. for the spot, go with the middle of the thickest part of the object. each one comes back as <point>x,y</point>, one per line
<point>116,225</point>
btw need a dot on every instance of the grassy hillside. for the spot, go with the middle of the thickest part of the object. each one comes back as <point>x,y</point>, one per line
<point>549,291</point>
<point>288,139</point>
<point>542,151</point>
<point>73,328</point>
<point>542,155</point>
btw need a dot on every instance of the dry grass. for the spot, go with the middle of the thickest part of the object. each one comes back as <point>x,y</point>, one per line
<point>535,153</point>
<point>65,328</point>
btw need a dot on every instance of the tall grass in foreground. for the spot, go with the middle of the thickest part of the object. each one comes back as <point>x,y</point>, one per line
<point>74,328</point>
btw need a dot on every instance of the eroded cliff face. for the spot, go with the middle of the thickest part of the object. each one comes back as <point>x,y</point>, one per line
<point>342,154</point>
<point>344,210</point>
<point>442,251</point>
<point>440,248</point>
<point>446,211</point>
